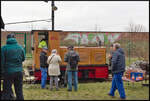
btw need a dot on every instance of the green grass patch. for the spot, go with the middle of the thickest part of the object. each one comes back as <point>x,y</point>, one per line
<point>86,91</point>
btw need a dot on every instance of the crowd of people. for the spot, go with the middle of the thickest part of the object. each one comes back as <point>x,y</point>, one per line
<point>12,56</point>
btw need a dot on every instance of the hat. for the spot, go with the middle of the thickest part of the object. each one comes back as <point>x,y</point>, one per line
<point>70,47</point>
<point>54,51</point>
<point>45,48</point>
<point>12,35</point>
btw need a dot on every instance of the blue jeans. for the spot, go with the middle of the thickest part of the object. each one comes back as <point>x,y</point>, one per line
<point>75,75</point>
<point>117,83</point>
<point>43,77</point>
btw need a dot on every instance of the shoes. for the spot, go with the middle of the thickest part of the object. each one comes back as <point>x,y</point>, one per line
<point>69,90</point>
<point>111,95</point>
<point>122,99</point>
<point>65,85</point>
<point>57,89</point>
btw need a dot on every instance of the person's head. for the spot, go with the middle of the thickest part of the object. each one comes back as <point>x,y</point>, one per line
<point>54,51</point>
<point>116,46</point>
<point>45,49</point>
<point>12,35</point>
<point>43,39</point>
<point>70,47</point>
<point>111,47</point>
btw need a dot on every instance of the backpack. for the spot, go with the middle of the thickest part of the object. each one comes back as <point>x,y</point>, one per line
<point>73,60</point>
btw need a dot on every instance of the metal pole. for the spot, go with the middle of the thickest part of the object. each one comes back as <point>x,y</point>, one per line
<point>129,48</point>
<point>52,15</point>
<point>25,43</point>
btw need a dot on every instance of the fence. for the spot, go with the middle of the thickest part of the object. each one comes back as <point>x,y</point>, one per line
<point>135,44</point>
<point>22,37</point>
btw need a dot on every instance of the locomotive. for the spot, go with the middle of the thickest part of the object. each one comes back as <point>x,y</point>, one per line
<point>92,65</point>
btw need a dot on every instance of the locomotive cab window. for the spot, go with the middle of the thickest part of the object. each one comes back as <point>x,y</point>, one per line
<point>43,39</point>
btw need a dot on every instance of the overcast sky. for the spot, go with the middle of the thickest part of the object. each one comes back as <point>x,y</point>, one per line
<point>76,16</point>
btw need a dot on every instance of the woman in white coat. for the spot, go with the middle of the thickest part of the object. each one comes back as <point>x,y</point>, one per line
<point>54,69</point>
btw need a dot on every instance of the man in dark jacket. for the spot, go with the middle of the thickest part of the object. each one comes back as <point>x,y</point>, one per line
<point>72,70</point>
<point>118,68</point>
<point>12,56</point>
<point>43,66</point>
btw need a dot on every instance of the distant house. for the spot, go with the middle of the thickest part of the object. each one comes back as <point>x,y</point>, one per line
<point>2,23</point>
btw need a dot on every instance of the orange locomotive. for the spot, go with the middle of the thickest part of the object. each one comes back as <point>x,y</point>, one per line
<point>92,59</point>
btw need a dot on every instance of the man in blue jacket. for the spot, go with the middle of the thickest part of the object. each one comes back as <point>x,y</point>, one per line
<point>43,66</point>
<point>12,56</point>
<point>118,68</point>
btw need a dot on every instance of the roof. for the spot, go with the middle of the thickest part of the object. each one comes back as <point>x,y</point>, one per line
<point>2,23</point>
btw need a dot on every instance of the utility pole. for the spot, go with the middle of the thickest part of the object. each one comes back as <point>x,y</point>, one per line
<point>52,5</point>
<point>54,8</point>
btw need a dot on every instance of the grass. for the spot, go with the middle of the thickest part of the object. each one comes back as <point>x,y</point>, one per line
<point>86,91</point>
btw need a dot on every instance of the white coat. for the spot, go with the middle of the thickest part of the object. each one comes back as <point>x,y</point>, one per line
<point>54,68</point>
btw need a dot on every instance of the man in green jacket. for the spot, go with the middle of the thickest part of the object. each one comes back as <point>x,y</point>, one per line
<point>12,56</point>
<point>43,43</point>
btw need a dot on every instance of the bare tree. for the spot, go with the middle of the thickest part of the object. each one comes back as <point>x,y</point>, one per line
<point>136,28</point>
<point>142,52</point>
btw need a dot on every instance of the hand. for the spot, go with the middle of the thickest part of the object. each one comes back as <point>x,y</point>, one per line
<point>109,56</point>
<point>33,69</point>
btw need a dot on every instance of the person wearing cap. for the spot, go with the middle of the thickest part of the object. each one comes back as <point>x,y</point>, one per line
<point>43,43</point>
<point>12,56</point>
<point>43,66</point>
<point>118,69</point>
<point>54,69</point>
<point>72,71</point>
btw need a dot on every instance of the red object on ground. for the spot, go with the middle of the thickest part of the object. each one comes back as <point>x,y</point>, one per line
<point>140,78</point>
<point>94,72</point>
<point>133,77</point>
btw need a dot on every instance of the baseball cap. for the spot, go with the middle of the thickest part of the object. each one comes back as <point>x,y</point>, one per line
<point>70,47</point>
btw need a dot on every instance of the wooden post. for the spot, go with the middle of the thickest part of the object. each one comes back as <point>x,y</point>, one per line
<point>54,41</point>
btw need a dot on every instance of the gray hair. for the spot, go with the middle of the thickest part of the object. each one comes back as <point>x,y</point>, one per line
<point>117,45</point>
<point>54,51</point>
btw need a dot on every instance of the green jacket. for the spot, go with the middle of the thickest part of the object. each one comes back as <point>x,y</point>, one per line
<point>12,56</point>
<point>42,44</point>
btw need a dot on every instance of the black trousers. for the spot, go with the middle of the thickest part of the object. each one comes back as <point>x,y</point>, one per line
<point>17,80</point>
